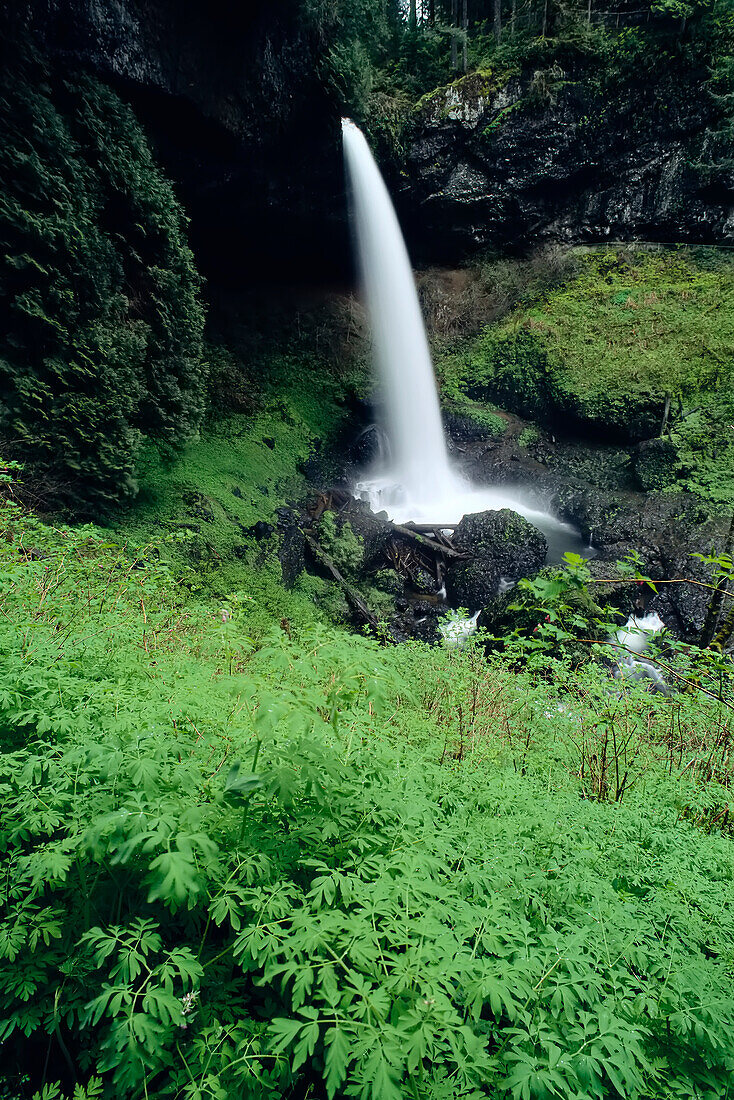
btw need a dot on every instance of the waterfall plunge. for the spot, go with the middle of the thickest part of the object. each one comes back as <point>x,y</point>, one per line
<point>418,460</point>
<point>415,480</point>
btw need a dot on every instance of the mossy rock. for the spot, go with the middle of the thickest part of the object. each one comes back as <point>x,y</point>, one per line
<point>513,371</point>
<point>602,351</point>
<point>504,546</point>
<point>656,463</point>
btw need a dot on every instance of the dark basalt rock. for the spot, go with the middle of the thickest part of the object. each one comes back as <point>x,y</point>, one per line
<point>501,166</point>
<point>244,124</point>
<point>655,464</point>
<point>291,552</point>
<point>668,531</point>
<point>231,93</point>
<point>616,522</point>
<point>367,447</point>
<point>503,545</point>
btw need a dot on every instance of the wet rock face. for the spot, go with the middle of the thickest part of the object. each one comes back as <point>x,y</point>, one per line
<point>668,530</point>
<point>291,548</point>
<point>505,166</point>
<point>503,545</point>
<point>231,96</point>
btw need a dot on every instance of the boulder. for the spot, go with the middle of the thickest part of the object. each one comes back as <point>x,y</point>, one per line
<point>503,545</point>
<point>368,447</point>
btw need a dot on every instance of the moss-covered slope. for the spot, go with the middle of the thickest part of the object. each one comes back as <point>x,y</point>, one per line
<point>100,310</point>
<point>605,348</point>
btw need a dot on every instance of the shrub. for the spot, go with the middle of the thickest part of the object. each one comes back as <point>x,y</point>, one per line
<point>100,312</point>
<point>325,864</point>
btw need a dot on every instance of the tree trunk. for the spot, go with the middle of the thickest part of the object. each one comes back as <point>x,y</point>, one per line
<point>497,19</point>
<point>413,17</point>
<point>717,599</point>
<point>513,17</point>
<point>454,43</point>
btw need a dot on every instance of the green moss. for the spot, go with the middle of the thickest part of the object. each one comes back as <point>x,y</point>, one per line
<point>704,439</point>
<point>100,316</point>
<point>500,118</point>
<point>468,91</point>
<point>608,345</point>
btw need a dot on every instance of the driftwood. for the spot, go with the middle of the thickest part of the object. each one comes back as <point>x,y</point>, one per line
<point>429,543</point>
<point>428,527</point>
<point>355,601</point>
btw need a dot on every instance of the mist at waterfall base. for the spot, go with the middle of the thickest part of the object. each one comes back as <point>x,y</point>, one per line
<point>414,480</point>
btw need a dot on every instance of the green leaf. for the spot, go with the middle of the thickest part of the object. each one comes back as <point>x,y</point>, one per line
<point>239,784</point>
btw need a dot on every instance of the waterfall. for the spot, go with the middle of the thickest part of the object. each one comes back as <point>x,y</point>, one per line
<point>415,480</point>
<point>419,462</point>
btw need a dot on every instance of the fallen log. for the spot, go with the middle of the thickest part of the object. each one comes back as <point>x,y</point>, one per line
<point>432,544</point>
<point>421,527</point>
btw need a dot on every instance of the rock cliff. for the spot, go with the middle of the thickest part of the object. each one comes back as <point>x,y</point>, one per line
<point>243,120</point>
<point>542,158</point>
<point>231,96</point>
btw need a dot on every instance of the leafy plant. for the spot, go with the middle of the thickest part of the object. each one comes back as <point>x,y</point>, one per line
<point>236,868</point>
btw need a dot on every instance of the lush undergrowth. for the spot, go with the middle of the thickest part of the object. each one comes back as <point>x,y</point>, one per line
<point>292,862</point>
<point>627,328</point>
<point>238,473</point>
<point>623,334</point>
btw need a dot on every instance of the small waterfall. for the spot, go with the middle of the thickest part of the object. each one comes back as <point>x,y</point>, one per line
<point>417,481</point>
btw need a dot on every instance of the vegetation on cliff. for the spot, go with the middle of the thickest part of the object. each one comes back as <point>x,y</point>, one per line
<point>637,62</point>
<point>628,343</point>
<point>100,304</point>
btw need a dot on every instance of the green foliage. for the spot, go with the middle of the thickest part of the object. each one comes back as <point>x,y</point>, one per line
<point>703,436</point>
<point>237,869</point>
<point>605,348</point>
<point>99,297</point>
<point>341,543</point>
<point>528,436</point>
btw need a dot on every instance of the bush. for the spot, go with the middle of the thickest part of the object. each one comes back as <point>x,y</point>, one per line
<point>100,311</point>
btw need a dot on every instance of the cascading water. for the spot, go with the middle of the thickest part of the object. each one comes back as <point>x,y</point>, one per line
<point>419,463</point>
<point>415,481</point>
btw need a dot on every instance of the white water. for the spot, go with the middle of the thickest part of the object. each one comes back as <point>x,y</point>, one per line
<point>636,633</point>
<point>416,480</point>
<point>635,636</point>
